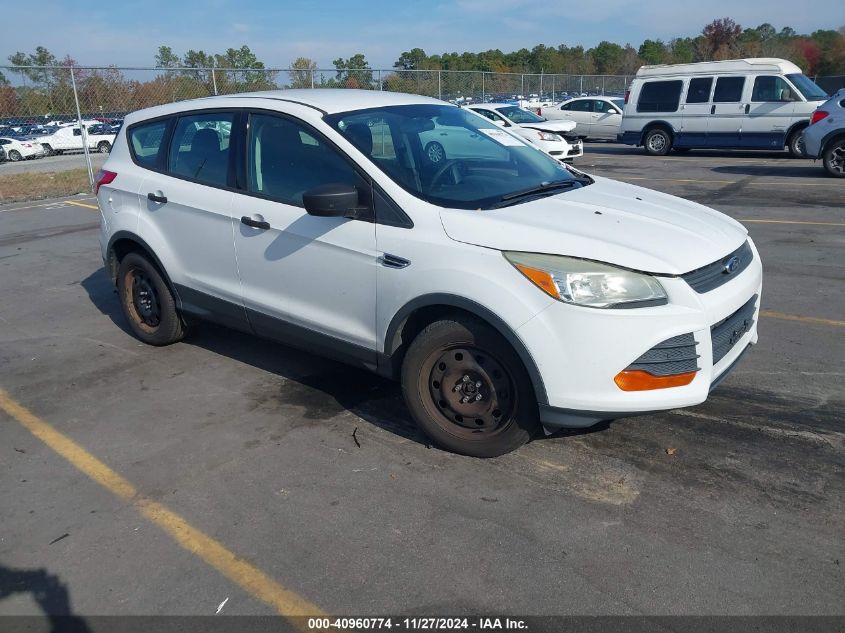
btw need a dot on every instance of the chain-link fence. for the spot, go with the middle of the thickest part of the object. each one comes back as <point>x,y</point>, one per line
<point>40,106</point>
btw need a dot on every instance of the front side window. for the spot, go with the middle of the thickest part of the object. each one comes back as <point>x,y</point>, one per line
<point>584,105</point>
<point>145,141</point>
<point>807,87</point>
<point>285,159</point>
<point>660,96</point>
<point>518,115</point>
<point>728,89</point>
<point>200,148</point>
<point>489,114</point>
<point>453,158</point>
<point>699,90</point>
<point>772,88</point>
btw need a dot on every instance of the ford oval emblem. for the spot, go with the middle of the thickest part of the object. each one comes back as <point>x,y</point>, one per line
<point>732,264</point>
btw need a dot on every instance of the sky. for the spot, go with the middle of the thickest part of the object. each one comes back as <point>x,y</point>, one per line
<point>129,33</point>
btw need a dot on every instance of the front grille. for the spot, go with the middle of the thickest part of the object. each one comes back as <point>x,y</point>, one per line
<point>729,330</point>
<point>713,275</point>
<point>673,356</point>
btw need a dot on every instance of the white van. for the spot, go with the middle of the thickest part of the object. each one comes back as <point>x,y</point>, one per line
<point>736,104</point>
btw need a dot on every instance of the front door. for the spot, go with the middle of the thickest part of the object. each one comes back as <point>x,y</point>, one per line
<point>695,113</point>
<point>580,111</point>
<point>308,281</point>
<point>770,112</point>
<point>606,120</point>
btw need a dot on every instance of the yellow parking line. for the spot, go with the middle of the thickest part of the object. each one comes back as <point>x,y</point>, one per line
<point>212,552</point>
<point>791,222</point>
<point>803,319</point>
<point>82,204</point>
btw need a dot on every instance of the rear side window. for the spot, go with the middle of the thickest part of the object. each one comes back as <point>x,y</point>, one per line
<point>200,148</point>
<point>145,142</point>
<point>699,90</point>
<point>660,96</point>
<point>728,89</point>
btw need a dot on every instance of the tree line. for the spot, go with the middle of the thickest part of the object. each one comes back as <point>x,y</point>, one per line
<point>49,87</point>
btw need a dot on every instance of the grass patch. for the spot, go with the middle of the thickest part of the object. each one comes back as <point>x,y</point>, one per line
<point>19,187</point>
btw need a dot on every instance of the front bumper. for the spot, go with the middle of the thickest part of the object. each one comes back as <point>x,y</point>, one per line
<point>578,351</point>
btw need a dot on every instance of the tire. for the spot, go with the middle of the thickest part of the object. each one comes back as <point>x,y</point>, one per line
<point>795,144</point>
<point>467,389</point>
<point>147,302</point>
<point>15,155</point>
<point>103,147</point>
<point>435,153</point>
<point>657,142</point>
<point>48,149</point>
<point>833,158</point>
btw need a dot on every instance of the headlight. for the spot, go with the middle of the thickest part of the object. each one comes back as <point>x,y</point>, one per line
<point>587,283</point>
<point>547,136</point>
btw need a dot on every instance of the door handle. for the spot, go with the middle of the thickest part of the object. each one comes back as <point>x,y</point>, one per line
<point>747,107</point>
<point>154,198</point>
<point>713,109</point>
<point>256,224</point>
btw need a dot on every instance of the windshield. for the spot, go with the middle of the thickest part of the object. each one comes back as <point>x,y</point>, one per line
<point>807,87</point>
<point>450,157</point>
<point>518,115</point>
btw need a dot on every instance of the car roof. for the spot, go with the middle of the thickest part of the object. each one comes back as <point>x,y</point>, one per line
<point>326,100</point>
<point>762,64</point>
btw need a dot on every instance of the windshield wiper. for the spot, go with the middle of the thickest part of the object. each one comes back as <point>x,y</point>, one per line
<point>542,188</point>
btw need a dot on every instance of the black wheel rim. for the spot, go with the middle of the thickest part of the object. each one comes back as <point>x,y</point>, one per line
<point>836,160</point>
<point>145,299</point>
<point>472,392</point>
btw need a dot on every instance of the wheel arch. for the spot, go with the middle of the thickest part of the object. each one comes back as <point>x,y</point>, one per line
<point>124,242</point>
<point>831,137</point>
<point>415,315</point>
<point>659,123</point>
<point>795,127</point>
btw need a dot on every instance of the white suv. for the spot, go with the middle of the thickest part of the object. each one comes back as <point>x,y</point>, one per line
<point>505,290</point>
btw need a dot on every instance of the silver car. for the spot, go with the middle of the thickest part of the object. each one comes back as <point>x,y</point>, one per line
<point>825,136</point>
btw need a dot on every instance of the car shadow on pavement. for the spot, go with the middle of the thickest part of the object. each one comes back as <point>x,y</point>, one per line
<point>48,592</point>
<point>802,169</point>
<point>320,387</point>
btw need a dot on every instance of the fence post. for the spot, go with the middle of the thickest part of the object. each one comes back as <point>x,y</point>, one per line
<point>523,85</point>
<point>380,86</point>
<point>602,84</point>
<point>213,78</point>
<point>482,87</point>
<point>581,83</point>
<point>83,131</point>
<point>553,88</point>
<point>439,87</point>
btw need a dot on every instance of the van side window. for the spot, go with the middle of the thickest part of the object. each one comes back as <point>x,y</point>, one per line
<point>145,142</point>
<point>284,160</point>
<point>699,90</point>
<point>200,148</point>
<point>660,96</point>
<point>728,89</point>
<point>772,88</point>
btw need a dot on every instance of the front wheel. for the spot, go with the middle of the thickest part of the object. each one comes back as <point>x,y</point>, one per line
<point>657,142</point>
<point>49,150</point>
<point>15,155</point>
<point>467,389</point>
<point>435,153</point>
<point>147,302</point>
<point>834,158</point>
<point>795,144</point>
<point>103,147</point>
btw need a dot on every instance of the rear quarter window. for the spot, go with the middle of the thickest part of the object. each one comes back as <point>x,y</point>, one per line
<point>145,142</point>
<point>660,96</point>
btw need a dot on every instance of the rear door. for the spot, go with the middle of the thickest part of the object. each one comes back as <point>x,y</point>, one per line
<point>727,112</point>
<point>770,110</point>
<point>696,113</point>
<point>187,207</point>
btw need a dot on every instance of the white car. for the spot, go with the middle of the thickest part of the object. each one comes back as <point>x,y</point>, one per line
<point>595,117</point>
<point>553,137</point>
<point>21,148</point>
<point>70,139</point>
<point>505,290</point>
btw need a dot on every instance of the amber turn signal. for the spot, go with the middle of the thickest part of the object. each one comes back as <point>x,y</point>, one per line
<point>540,278</point>
<point>638,380</point>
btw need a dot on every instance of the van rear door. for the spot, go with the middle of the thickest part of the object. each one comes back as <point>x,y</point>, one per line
<point>727,112</point>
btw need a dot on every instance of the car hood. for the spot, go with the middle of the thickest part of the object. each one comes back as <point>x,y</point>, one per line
<point>607,221</point>
<point>560,125</point>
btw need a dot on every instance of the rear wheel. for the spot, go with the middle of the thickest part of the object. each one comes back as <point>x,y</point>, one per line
<point>103,147</point>
<point>834,158</point>
<point>147,302</point>
<point>657,142</point>
<point>15,155</point>
<point>467,389</point>
<point>795,144</point>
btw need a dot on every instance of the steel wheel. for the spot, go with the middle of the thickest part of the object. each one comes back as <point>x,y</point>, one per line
<point>656,143</point>
<point>471,390</point>
<point>145,306</point>
<point>147,301</point>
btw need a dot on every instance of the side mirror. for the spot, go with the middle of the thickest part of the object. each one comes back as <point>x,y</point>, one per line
<point>334,200</point>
